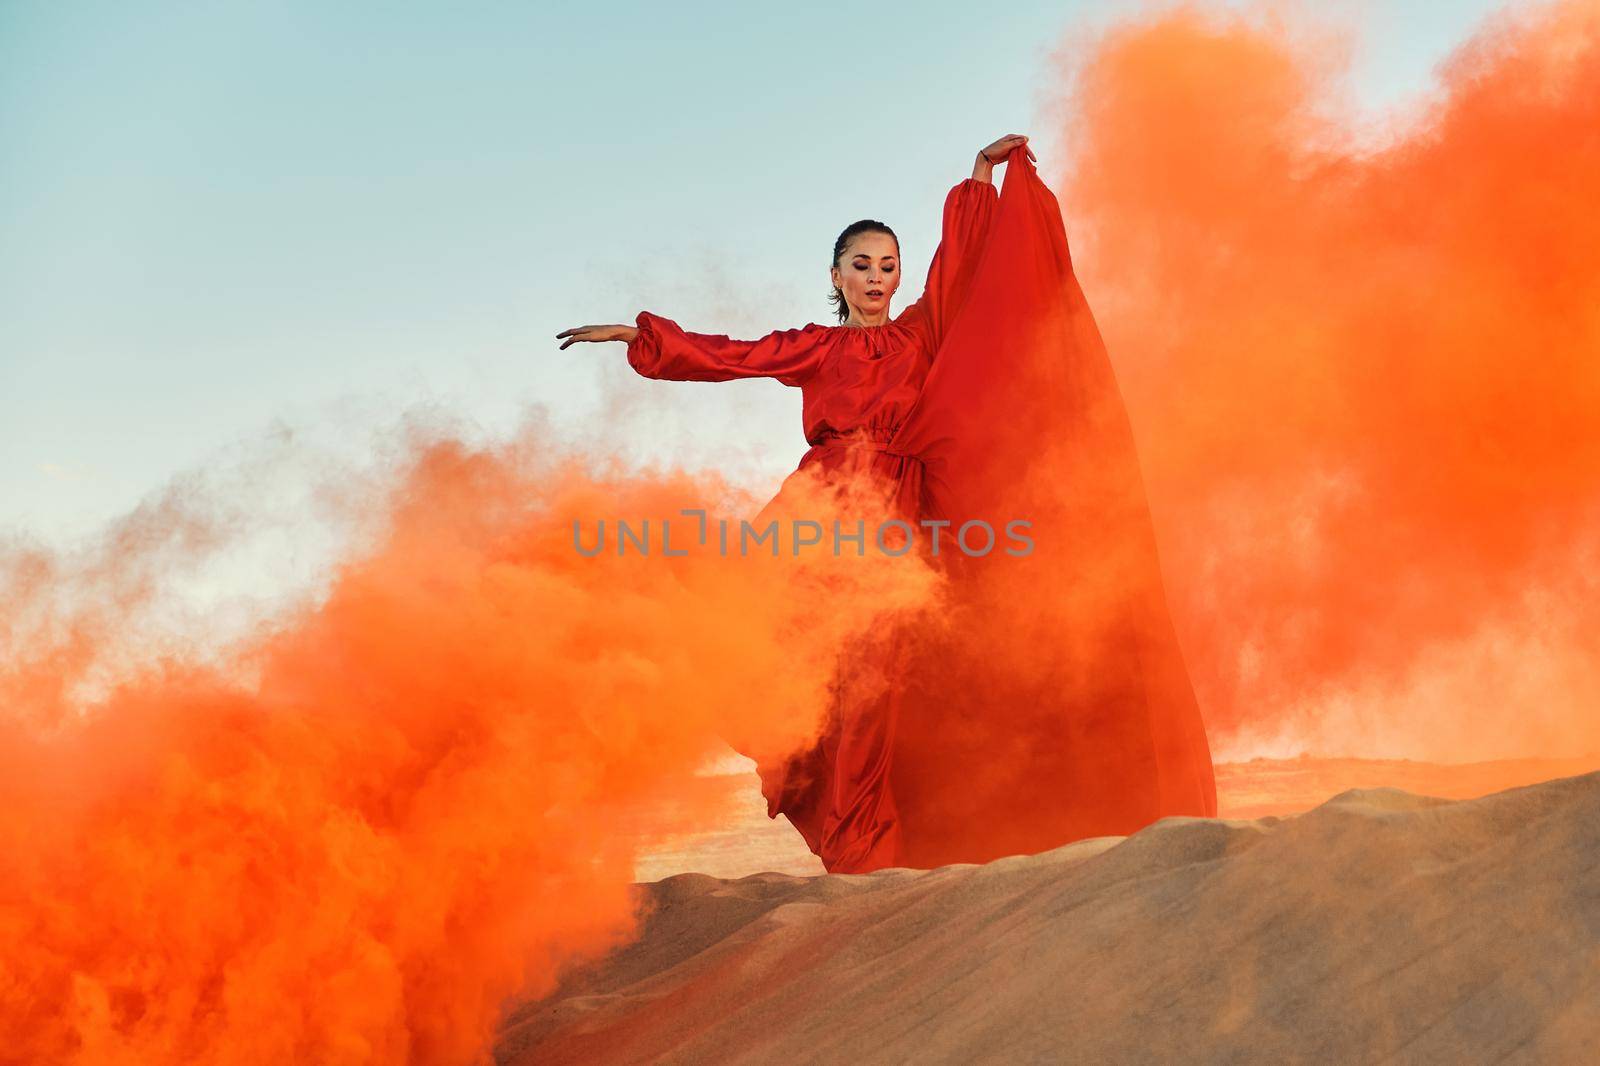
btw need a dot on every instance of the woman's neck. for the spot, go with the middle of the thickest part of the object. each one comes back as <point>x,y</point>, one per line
<point>860,321</point>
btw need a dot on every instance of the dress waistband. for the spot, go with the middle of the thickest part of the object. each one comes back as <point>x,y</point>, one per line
<point>861,438</point>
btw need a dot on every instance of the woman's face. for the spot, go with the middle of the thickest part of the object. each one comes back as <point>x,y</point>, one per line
<point>868,273</point>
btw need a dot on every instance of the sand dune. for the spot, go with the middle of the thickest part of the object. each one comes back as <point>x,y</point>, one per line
<point>1379,927</point>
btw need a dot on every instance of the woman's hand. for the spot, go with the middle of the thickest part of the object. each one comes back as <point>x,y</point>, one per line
<point>597,333</point>
<point>997,153</point>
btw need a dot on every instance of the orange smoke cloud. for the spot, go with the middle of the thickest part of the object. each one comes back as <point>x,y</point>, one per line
<point>1362,370</point>
<point>1363,380</point>
<point>357,835</point>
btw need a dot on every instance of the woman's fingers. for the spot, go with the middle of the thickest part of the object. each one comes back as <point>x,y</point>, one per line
<point>594,334</point>
<point>573,335</point>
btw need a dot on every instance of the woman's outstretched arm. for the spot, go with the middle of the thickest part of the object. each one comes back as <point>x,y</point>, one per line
<point>659,348</point>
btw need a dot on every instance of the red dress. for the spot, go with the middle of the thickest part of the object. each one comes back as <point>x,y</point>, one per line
<point>963,760</point>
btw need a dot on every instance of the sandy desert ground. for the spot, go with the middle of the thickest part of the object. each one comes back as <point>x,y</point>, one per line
<point>1380,926</point>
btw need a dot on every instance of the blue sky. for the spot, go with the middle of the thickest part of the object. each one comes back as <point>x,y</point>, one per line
<point>223,221</point>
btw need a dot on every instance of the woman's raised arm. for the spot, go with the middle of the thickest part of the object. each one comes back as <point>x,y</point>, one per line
<point>967,211</point>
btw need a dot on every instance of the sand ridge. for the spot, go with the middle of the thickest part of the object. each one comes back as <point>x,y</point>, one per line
<point>1379,926</point>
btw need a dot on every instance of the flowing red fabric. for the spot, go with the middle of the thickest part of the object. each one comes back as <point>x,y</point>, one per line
<point>1050,702</point>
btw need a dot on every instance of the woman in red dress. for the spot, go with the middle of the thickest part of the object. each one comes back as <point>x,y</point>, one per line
<point>1040,715</point>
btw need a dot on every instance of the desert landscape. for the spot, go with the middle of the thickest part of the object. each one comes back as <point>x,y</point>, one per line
<point>1394,924</point>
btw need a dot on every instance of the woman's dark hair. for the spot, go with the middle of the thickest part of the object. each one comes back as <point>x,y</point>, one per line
<point>852,231</point>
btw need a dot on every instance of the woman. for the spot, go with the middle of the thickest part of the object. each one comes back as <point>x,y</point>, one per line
<point>1001,741</point>
<point>859,379</point>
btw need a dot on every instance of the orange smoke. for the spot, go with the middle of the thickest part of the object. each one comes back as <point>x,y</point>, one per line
<point>1363,378</point>
<point>1363,368</point>
<point>353,839</point>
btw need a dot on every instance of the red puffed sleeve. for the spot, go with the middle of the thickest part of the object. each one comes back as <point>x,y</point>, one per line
<point>663,349</point>
<point>967,211</point>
